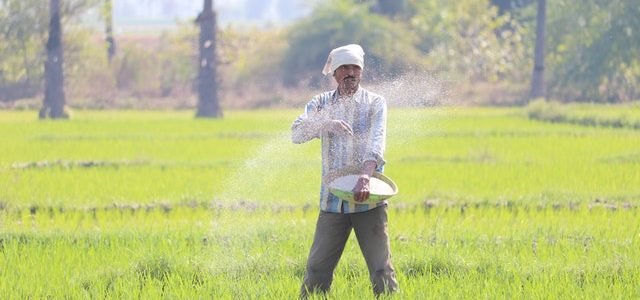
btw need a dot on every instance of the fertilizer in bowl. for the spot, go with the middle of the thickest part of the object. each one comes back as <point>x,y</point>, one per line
<point>348,182</point>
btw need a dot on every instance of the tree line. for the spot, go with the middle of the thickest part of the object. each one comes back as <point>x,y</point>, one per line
<point>511,49</point>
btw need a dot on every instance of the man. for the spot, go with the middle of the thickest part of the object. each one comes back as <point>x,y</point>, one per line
<point>351,123</point>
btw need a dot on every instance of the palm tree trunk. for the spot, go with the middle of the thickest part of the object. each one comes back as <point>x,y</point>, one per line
<point>537,82</point>
<point>111,42</point>
<point>54,99</point>
<point>208,106</point>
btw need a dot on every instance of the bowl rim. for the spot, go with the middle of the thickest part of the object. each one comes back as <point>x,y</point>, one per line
<point>353,170</point>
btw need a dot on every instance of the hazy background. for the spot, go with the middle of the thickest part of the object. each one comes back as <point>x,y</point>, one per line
<point>269,53</point>
<point>155,14</point>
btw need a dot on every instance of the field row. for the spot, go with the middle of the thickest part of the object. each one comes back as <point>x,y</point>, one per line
<point>441,251</point>
<point>627,116</point>
<point>451,154</point>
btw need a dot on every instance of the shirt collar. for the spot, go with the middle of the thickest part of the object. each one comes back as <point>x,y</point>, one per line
<point>357,97</point>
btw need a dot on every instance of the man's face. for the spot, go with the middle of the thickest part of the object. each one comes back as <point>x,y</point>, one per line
<point>348,77</point>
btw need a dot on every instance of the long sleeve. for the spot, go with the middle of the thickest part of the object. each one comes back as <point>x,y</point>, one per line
<point>377,136</point>
<point>308,125</point>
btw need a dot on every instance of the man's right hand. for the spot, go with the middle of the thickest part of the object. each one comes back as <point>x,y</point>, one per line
<point>337,127</point>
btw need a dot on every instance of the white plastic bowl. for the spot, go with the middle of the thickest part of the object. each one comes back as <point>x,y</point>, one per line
<point>381,187</point>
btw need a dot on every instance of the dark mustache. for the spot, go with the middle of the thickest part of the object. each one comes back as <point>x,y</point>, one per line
<point>350,77</point>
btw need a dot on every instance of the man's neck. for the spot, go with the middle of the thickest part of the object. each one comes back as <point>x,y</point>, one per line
<point>345,93</point>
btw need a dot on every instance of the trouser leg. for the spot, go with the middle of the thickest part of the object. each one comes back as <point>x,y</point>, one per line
<point>371,230</point>
<point>332,232</point>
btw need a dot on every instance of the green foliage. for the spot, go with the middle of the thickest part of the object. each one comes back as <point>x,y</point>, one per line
<point>23,27</point>
<point>158,67</point>
<point>591,49</point>
<point>610,61</point>
<point>251,66</point>
<point>389,47</point>
<point>484,48</point>
<point>470,39</point>
<point>23,31</point>
<point>87,74</point>
<point>177,52</point>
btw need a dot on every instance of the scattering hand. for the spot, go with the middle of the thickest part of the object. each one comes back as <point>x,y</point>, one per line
<point>338,127</point>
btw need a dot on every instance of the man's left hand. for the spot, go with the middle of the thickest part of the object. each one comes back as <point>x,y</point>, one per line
<point>361,190</point>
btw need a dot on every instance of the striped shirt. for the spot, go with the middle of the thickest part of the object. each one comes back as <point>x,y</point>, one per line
<point>366,113</point>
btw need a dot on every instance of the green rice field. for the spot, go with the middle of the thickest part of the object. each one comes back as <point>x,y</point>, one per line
<point>492,205</point>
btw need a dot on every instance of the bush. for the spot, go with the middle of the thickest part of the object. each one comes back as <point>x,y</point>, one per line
<point>539,109</point>
<point>389,46</point>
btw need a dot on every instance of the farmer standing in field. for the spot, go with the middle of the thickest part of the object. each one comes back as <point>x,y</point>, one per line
<point>351,124</point>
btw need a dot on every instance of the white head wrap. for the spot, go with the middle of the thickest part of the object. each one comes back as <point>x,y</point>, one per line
<point>351,54</point>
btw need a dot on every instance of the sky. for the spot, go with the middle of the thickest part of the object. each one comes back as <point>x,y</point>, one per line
<point>256,12</point>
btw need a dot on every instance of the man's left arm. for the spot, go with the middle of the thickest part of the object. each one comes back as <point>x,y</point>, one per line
<point>377,133</point>
<point>374,155</point>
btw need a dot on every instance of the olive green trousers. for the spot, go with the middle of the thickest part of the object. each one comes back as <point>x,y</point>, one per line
<point>331,235</point>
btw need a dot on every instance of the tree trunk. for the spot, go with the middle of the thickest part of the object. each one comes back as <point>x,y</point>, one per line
<point>537,82</point>
<point>208,106</point>
<point>108,17</point>
<point>54,100</point>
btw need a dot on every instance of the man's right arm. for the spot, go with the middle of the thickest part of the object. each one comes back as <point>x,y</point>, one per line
<point>308,125</point>
<point>314,121</point>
